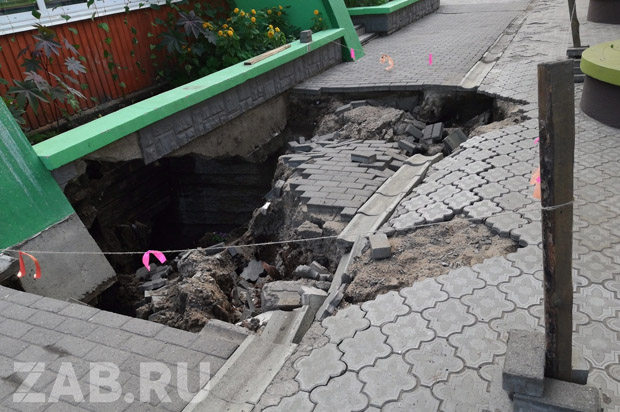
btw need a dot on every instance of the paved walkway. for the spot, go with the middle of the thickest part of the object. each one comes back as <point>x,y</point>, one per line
<point>440,344</point>
<point>457,36</point>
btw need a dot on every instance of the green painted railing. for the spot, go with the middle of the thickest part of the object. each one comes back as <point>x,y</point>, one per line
<point>85,139</point>
<point>386,8</point>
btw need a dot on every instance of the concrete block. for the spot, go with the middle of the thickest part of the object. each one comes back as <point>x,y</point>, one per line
<point>524,366</point>
<point>282,295</point>
<point>364,157</point>
<point>305,36</point>
<point>343,109</point>
<point>298,147</point>
<point>559,396</point>
<point>414,132</point>
<point>9,266</point>
<point>454,139</point>
<point>304,271</point>
<point>318,268</point>
<point>312,296</point>
<point>253,271</point>
<point>380,246</point>
<point>433,133</point>
<point>409,147</point>
<point>358,103</point>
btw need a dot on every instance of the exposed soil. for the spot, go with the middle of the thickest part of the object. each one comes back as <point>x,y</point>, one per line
<point>427,252</point>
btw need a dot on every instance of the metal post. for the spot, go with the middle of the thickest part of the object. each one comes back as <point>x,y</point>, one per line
<point>556,114</point>
<point>574,23</point>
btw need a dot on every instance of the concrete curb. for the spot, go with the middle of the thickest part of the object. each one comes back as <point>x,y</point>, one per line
<point>369,218</point>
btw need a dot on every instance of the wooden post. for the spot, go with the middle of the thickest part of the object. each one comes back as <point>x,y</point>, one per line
<point>556,119</point>
<point>574,23</point>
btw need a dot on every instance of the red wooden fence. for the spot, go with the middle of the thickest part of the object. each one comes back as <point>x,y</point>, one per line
<point>91,39</point>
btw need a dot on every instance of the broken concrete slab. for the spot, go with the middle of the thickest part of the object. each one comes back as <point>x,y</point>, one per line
<point>318,268</point>
<point>524,367</point>
<point>304,271</point>
<point>418,159</point>
<point>409,147</point>
<point>281,294</point>
<point>308,230</point>
<point>343,109</point>
<point>560,396</point>
<point>358,103</point>
<point>380,246</point>
<point>152,285</point>
<point>253,271</point>
<point>9,266</point>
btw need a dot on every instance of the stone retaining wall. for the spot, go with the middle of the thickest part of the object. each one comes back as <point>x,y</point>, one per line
<point>389,23</point>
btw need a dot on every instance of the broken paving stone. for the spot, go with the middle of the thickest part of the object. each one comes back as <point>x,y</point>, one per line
<point>320,269</point>
<point>454,139</point>
<point>364,157</point>
<point>433,132</point>
<point>332,228</point>
<point>410,148</point>
<point>380,246</point>
<point>151,285</point>
<point>308,230</point>
<point>298,147</point>
<point>304,271</point>
<point>282,294</point>
<point>414,132</point>
<point>253,271</point>
<point>358,103</point>
<point>276,190</point>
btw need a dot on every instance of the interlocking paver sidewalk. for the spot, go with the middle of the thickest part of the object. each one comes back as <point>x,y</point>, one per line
<point>453,338</point>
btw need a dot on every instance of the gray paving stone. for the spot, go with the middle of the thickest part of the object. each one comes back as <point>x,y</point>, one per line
<point>529,234</point>
<point>109,319</point>
<point>477,344</point>
<point>79,311</point>
<point>407,332</point>
<point>490,190</point>
<point>599,345</point>
<point>423,294</point>
<point>319,367</point>
<point>49,305</point>
<point>407,221</point>
<point>364,348</point>
<point>436,213</point>
<point>46,319</point>
<point>597,302</point>
<point>13,328</point>
<point>427,188</point>
<point>341,393</point>
<point>448,317</point>
<point>445,192</point>
<point>345,323</point>
<point>298,402</point>
<point>416,202</point>
<point>504,223</point>
<point>519,319</point>
<point>419,399</point>
<point>460,282</point>
<point>478,154</point>
<point>512,201</point>
<point>461,200</point>
<point>76,327</point>
<point>495,270</point>
<point>502,160</point>
<point>434,361</point>
<point>475,167</point>
<point>480,211</point>
<point>384,308</point>
<point>470,182</point>
<point>142,327</point>
<point>516,183</point>
<point>524,290</point>
<point>496,175</point>
<point>386,380</point>
<point>465,391</point>
<point>451,177</point>
<point>41,336</point>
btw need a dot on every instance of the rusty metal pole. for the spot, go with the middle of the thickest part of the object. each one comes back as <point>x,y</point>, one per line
<point>574,23</point>
<point>556,119</point>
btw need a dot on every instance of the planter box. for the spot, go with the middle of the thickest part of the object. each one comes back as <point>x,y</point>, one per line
<point>389,17</point>
<point>157,126</point>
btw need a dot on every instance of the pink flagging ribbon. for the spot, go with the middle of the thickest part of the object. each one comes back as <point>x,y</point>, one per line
<point>352,53</point>
<point>145,258</point>
<point>22,266</point>
<point>430,59</point>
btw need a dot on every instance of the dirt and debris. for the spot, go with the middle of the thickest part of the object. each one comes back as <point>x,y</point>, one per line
<point>427,252</point>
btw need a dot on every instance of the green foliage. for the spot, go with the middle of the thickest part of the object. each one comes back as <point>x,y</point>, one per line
<point>45,80</point>
<point>200,41</point>
<point>317,22</point>
<point>364,3</point>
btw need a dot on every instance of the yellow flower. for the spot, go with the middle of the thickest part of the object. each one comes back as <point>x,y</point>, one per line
<point>230,33</point>
<point>236,10</point>
<point>253,11</point>
<point>316,12</point>
<point>189,49</point>
<point>220,33</point>
<point>205,25</point>
<point>281,8</point>
<point>225,26</point>
<point>242,13</point>
<point>277,29</point>
<point>269,11</point>
<point>271,27</point>
<point>253,19</point>
<point>279,13</point>
<point>270,34</point>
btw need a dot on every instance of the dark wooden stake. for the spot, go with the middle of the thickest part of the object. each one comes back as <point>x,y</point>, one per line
<point>556,114</point>
<point>574,23</point>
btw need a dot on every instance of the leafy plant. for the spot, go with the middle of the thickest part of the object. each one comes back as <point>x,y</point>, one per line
<point>47,77</point>
<point>203,40</point>
<point>317,21</point>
